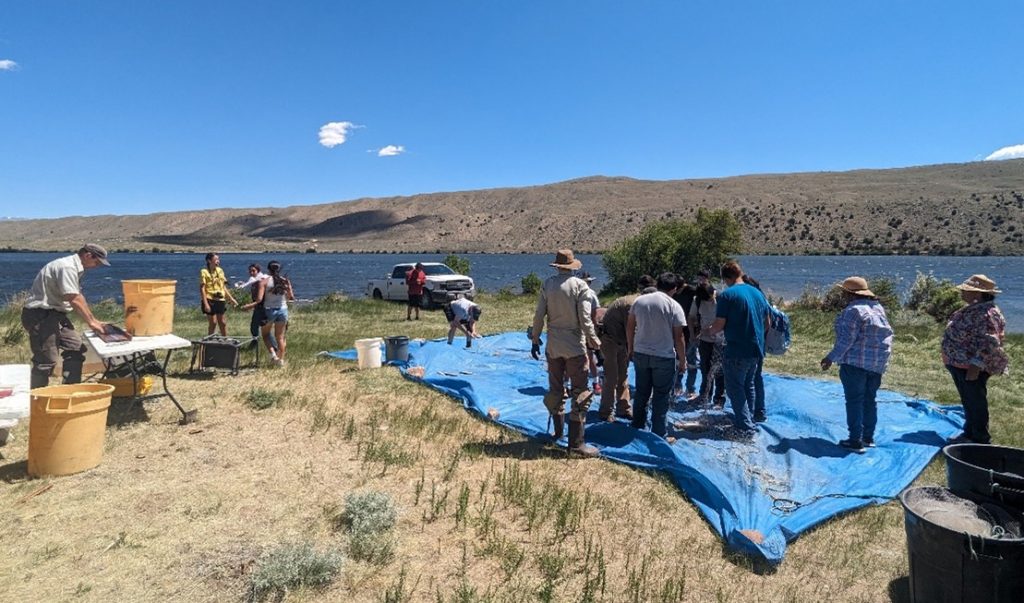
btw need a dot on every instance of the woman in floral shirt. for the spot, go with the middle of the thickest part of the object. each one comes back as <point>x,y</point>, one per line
<point>972,350</point>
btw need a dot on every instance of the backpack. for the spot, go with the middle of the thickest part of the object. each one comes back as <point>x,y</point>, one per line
<point>777,339</point>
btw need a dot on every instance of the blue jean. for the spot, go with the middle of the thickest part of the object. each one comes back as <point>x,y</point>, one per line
<point>739,384</point>
<point>759,389</point>
<point>974,398</point>
<point>860,386</point>
<point>654,378</point>
<point>692,364</point>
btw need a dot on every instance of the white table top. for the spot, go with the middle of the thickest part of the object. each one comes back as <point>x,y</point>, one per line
<point>135,346</point>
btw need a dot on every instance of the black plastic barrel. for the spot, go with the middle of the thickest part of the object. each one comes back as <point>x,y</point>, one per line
<point>986,472</point>
<point>954,567</point>
<point>396,349</point>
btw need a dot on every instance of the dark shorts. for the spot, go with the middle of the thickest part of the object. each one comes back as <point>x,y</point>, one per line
<point>217,306</point>
<point>415,299</point>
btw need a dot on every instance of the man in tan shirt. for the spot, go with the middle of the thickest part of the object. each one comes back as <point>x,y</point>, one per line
<point>564,302</point>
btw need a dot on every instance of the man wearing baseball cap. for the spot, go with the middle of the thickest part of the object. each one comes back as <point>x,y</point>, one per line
<point>56,291</point>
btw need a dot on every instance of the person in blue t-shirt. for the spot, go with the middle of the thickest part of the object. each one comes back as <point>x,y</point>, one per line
<point>742,313</point>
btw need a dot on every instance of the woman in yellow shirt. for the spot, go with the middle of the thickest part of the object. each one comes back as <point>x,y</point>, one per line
<point>214,293</point>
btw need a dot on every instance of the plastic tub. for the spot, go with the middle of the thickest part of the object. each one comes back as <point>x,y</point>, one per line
<point>396,349</point>
<point>67,427</point>
<point>368,352</point>
<point>148,307</point>
<point>983,470</point>
<point>953,567</point>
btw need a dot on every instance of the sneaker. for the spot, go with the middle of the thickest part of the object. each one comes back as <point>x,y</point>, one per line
<point>869,443</point>
<point>760,417</point>
<point>854,445</point>
<point>279,362</point>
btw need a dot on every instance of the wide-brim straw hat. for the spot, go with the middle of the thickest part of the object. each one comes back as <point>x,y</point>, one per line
<point>564,258</point>
<point>857,285</point>
<point>979,283</point>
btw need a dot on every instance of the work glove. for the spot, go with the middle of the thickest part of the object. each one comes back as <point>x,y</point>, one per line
<point>535,350</point>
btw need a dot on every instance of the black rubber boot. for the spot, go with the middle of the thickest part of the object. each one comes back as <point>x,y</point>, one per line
<point>577,445</point>
<point>559,426</point>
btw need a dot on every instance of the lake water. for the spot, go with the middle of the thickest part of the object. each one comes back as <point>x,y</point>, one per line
<point>315,275</point>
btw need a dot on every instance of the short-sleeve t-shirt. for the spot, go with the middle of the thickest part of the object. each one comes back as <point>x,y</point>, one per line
<point>462,308</point>
<point>744,309</point>
<point>656,314</point>
<point>214,282</point>
<point>58,278</point>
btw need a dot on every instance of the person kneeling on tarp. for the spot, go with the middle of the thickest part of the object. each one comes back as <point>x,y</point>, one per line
<point>463,316</point>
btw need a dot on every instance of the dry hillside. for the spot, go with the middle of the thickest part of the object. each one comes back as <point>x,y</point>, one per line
<point>963,209</point>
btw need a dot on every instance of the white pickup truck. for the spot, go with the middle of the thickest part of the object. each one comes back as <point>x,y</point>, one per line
<point>442,284</point>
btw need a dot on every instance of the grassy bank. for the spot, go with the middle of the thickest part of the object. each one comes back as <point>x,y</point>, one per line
<point>253,496</point>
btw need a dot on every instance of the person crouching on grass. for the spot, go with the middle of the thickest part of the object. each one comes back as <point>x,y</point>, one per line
<point>213,292</point>
<point>862,350</point>
<point>463,315</point>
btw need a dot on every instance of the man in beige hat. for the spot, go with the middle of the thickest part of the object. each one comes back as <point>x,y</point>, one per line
<point>565,303</point>
<point>55,292</point>
<point>862,350</point>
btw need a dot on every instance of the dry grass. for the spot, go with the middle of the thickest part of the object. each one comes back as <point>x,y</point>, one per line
<point>183,513</point>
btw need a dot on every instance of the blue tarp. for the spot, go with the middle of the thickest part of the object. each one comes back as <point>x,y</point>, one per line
<point>757,494</point>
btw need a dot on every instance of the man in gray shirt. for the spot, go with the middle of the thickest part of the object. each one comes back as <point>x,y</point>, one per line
<point>655,342</point>
<point>564,302</point>
<point>56,291</point>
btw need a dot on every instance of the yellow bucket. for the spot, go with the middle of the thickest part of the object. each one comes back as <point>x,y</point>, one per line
<point>124,387</point>
<point>148,307</point>
<point>67,427</point>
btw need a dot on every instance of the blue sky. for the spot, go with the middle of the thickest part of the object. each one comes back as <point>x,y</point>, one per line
<point>136,107</point>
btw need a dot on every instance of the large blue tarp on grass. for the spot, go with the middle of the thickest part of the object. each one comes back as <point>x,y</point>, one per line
<point>758,494</point>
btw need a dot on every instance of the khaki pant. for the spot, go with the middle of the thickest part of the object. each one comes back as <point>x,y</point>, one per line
<point>575,369</point>
<point>49,333</point>
<point>615,389</point>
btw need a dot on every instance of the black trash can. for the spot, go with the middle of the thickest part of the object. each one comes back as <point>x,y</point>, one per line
<point>983,471</point>
<point>396,349</point>
<point>947,566</point>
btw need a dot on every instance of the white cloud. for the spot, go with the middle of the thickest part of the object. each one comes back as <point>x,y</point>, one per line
<point>1012,152</point>
<point>7,65</point>
<point>391,150</point>
<point>334,133</point>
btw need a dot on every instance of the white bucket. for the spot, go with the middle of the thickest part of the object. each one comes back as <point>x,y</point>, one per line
<point>368,351</point>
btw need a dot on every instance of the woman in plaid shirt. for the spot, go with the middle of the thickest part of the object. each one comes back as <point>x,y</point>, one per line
<point>972,350</point>
<point>862,349</point>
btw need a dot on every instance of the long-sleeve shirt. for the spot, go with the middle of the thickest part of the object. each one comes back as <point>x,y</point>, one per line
<point>863,336</point>
<point>974,337</point>
<point>564,301</point>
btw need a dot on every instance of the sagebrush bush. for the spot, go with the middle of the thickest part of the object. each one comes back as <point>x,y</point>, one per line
<point>370,512</point>
<point>369,517</point>
<point>292,566</point>
<point>934,297</point>
<point>531,284</point>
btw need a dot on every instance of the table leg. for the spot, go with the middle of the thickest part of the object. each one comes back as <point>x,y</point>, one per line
<point>187,416</point>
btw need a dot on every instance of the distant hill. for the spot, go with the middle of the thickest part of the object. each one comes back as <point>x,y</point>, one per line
<point>953,209</point>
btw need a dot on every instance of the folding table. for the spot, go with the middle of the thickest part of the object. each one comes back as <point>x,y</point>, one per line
<point>138,357</point>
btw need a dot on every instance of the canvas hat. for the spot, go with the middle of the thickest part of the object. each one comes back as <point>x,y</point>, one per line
<point>586,276</point>
<point>979,283</point>
<point>565,259</point>
<point>856,285</point>
<point>97,252</point>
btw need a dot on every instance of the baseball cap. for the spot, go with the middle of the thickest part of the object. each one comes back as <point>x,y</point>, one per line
<point>97,252</point>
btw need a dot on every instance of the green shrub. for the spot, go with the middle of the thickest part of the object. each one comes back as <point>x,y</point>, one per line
<point>458,264</point>
<point>934,297</point>
<point>261,399</point>
<point>673,246</point>
<point>531,284</point>
<point>292,566</point>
